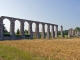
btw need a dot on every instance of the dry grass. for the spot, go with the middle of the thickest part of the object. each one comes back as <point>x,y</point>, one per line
<point>57,49</point>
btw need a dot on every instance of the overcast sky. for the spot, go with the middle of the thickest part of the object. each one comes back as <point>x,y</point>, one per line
<point>61,12</point>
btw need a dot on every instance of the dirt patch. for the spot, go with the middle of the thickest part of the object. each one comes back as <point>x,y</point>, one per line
<point>1,58</point>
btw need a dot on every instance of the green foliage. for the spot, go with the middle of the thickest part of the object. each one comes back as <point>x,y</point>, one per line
<point>65,32</point>
<point>59,32</point>
<point>77,29</point>
<point>18,32</point>
<point>17,35</point>
<point>26,32</point>
<point>12,53</point>
<point>27,35</point>
<point>6,34</point>
<point>5,30</point>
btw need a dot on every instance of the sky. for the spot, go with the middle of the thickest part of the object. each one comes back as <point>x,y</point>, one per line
<point>60,12</point>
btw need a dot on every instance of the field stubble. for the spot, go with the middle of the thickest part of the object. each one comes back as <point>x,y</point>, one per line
<point>57,49</point>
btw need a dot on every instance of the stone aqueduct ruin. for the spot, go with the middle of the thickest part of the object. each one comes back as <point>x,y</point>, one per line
<point>54,34</point>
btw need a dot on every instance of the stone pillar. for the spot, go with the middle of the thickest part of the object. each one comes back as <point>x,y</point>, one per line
<point>56,31</point>
<point>75,33</point>
<point>52,31</point>
<point>61,31</point>
<point>1,29</point>
<point>48,31</point>
<point>69,33</point>
<point>30,30</point>
<point>37,30</point>
<point>43,30</point>
<point>12,28</point>
<point>72,33</point>
<point>22,29</point>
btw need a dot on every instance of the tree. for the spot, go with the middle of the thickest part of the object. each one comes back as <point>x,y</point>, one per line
<point>65,32</point>
<point>18,31</point>
<point>77,29</point>
<point>4,30</point>
<point>25,32</point>
<point>59,32</point>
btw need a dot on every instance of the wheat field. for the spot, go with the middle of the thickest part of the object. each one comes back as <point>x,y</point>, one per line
<point>53,49</point>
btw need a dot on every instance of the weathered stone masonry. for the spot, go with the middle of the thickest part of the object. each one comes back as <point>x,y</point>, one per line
<point>54,34</point>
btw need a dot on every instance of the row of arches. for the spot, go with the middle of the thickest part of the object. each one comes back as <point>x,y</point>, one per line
<point>37,29</point>
<point>6,23</point>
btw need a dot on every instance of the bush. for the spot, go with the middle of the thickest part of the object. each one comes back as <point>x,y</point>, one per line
<point>17,35</point>
<point>27,35</point>
<point>6,35</point>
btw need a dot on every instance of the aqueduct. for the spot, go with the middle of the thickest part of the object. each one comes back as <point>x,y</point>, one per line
<point>54,34</point>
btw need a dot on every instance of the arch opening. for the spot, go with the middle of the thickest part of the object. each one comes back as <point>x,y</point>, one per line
<point>40,30</point>
<point>45,30</point>
<point>17,27</point>
<point>33,29</point>
<point>26,24</point>
<point>6,27</point>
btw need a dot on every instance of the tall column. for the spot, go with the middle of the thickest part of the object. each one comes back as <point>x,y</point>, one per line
<point>22,29</point>
<point>56,31</point>
<point>52,31</point>
<point>72,33</point>
<point>61,31</point>
<point>48,31</point>
<point>12,28</point>
<point>1,29</point>
<point>69,33</point>
<point>75,33</point>
<point>37,30</point>
<point>30,30</point>
<point>43,30</point>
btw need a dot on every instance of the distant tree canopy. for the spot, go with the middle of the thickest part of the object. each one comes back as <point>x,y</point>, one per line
<point>65,32</point>
<point>77,29</point>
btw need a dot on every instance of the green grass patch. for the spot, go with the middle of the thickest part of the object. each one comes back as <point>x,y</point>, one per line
<point>12,53</point>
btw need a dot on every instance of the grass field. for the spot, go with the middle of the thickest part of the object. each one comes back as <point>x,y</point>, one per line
<point>40,49</point>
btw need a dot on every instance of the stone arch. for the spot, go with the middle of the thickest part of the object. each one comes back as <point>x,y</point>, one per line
<point>40,29</point>
<point>32,25</point>
<point>33,29</point>
<point>45,30</point>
